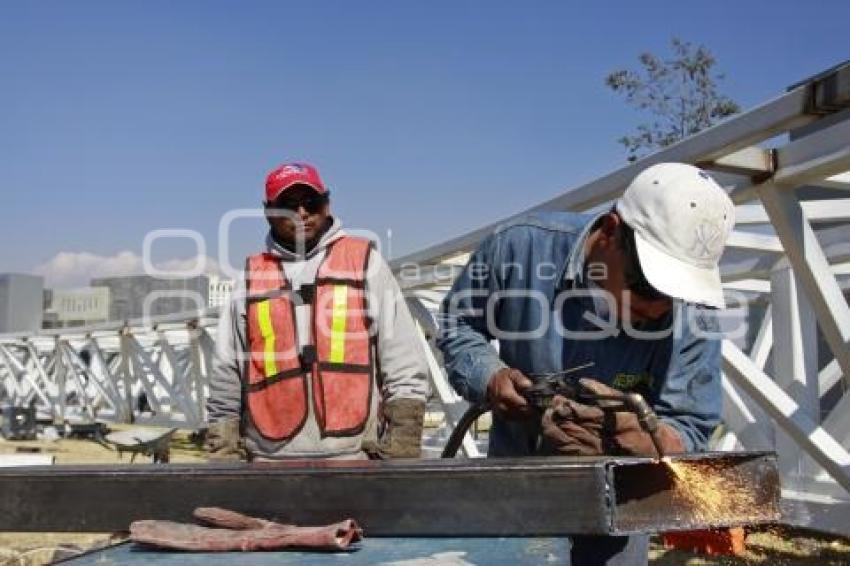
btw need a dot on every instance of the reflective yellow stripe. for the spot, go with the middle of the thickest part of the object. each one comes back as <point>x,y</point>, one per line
<point>267,330</point>
<point>338,324</point>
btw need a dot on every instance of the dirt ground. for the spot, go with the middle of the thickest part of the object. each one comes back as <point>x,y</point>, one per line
<point>84,451</point>
<point>772,545</point>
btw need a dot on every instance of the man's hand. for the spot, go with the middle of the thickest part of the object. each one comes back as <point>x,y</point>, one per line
<point>572,428</point>
<point>224,442</point>
<point>626,435</point>
<point>504,392</point>
<point>403,436</point>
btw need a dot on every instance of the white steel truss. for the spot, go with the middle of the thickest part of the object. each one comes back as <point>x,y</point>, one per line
<point>151,371</point>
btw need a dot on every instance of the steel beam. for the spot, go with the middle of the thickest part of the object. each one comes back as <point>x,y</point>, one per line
<point>838,421</point>
<point>204,317</point>
<point>828,377</point>
<point>751,161</point>
<point>840,182</point>
<point>811,158</point>
<point>453,406</point>
<point>751,241</point>
<point>139,373</point>
<point>62,349</point>
<point>194,373</point>
<point>92,380</point>
<point>763,343</point>
<point>739,265</point>
<point>806,510</point>
<point>816,441</point>
<point>16,368</point>
<point>815,156</point>
<point>794,360</point>
<point>428,276</point>
<point>182,389</point>
<point>748,285</point>
<point>811,267</point>
<point>728,442</point>
<point>831,92</point>
<point>741,419</point>
<point>828,210</point>
<point>100,370</point>
<point>123,373</point>
<point>794,342</point>
<point>513,497</point>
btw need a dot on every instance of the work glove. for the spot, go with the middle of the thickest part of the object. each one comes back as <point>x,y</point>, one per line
<point>569,428</point>
<point>402,437</point>
<point>224,441</point>
<point>572,428</point>
<point>504,394</point>
<point>240,532</point>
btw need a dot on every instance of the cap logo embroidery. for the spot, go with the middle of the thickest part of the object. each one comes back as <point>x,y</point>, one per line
<point>707,242</point>
<point>293,169</point>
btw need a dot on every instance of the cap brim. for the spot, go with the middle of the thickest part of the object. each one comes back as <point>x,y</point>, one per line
<point>679,279</point>
<point>284,188</point>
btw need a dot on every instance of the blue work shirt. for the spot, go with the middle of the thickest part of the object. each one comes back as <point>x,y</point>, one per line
<point>527,288</point>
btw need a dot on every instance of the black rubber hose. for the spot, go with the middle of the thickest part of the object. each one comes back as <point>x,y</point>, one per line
<point>463,425</point>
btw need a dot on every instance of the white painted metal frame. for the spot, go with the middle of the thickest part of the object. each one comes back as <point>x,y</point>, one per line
<point>144,371</point>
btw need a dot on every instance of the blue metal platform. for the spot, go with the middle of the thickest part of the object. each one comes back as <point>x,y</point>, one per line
<point>418,551</point>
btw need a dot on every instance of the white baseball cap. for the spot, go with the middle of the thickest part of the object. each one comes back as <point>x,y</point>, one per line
<point>681,219</point>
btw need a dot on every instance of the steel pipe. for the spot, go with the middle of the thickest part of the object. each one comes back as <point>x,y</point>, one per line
<point>490,497</point>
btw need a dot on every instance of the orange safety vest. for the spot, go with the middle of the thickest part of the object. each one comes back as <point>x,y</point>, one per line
<point>340,361</point>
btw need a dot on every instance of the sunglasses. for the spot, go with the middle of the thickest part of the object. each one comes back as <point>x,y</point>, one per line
<point>635,280</point>
<point>312,203</point>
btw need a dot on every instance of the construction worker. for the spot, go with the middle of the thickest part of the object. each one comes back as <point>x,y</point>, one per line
<point>632,291</point>
<point>317,356</point>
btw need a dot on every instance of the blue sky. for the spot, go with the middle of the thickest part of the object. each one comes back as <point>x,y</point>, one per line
<point>429,118</point>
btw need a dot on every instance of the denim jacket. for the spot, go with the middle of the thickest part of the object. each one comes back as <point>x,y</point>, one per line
<point>524,301</point>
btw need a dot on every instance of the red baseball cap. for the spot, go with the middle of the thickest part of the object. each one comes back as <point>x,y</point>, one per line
<point>290,174</point>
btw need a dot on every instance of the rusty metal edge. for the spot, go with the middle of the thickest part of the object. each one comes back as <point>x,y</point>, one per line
<point>663,523</point>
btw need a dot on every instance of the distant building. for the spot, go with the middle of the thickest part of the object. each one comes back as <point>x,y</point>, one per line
<point>139,296</point>
<point>76,307</point>
<point>21,302</point>
<point>220,290</point>
<point>49,318</point>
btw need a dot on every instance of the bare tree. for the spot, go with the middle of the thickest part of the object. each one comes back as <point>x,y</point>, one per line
<point>679,93</point>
